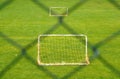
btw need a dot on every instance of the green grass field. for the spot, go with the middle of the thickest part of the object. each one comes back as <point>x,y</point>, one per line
<point>21,21</point>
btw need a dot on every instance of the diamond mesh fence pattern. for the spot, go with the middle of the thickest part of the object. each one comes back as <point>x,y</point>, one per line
<point>24,50</point>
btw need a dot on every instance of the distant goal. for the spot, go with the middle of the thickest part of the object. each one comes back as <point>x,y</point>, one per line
<point>58,11</point>
<point>62,49</point>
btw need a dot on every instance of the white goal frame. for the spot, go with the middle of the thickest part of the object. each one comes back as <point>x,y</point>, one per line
<point>50,11</point>
<point>62,63</point>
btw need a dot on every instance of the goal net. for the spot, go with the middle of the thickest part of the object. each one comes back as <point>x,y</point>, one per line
<point>62,49</point>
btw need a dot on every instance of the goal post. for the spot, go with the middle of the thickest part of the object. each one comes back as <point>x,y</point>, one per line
<point>62,49</point>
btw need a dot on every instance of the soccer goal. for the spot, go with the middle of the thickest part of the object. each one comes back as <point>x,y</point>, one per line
<point>62,49</point>
<point>58,11</point>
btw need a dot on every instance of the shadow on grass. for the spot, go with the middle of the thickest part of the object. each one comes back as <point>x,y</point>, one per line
<point>6,3</point>
<point>77,5</point>
<point>109,66</point>
<point>115,3</point>
<point>74,71</point>
<point>10,65</point>
<point>108,39</point>
<point>13,43</point>
<point>74,7</point>
<point>19,57</point>
<point>42,68</point>
<point>47,32</point>
<point>41,5</point>
<point>67,27</point>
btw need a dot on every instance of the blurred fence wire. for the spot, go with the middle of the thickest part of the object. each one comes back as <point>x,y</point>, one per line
<point>24,49</point>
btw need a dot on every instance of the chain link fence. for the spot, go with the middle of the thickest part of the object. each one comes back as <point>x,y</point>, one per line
<point>60,23</point>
